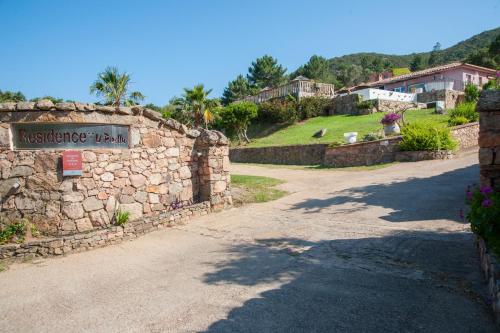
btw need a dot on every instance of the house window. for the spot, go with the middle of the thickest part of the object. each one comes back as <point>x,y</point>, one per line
<point>399,89</point>
<point>468,78</point>
<point>480,80</point>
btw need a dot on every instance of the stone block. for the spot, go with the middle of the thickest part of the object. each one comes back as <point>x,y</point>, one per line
<point>92,203</point>
<point>137,181</point>
<point>135,210</point>
<point>83,225</point>
<point>73,210</point>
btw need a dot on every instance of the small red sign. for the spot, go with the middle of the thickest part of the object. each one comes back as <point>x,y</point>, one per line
<point>72,163</point>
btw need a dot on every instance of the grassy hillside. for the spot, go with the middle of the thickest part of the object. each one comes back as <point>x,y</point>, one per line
<point>302,133</point>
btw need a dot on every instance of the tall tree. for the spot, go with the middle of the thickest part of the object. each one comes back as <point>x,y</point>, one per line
<point>114,87</point>
<point>317,68</point>
<point>266,72</point>
<point>417,63</point>
<point>10,96</point>
<point>435,57</point>
<point>237,89</point>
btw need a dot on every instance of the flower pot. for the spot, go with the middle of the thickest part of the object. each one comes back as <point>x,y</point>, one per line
<point>392,129</point>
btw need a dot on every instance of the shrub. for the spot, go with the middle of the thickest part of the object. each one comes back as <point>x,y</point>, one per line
<point>422,136</point>
<point>15,231</point>
<point>455,121</point>
<point>310,107</point>
<point>471,93</point>
<point>236,117</point>
<point>463,110</point>
<point>279,111</point>
<point>484,214</point>
<point>492,84</point>
<point>368,104</point>
<point>372,137</point>
<point>121,217</point>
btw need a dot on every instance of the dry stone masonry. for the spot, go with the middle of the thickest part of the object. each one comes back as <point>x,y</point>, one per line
<point>163,168</point>
<point>488,107</point>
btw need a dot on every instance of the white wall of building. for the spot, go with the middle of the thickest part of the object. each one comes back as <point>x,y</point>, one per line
<point>370,93</point>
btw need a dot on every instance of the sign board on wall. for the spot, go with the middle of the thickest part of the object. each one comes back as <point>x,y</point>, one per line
<point>69,136</point>
<point>72,163</point>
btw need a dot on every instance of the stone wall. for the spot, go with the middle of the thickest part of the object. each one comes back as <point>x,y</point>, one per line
<point>353,104</point>
<point>488,107</point>
<point>292,155</point>
<point>167,166</point>
<point>348,104</point>
<point>84,241</point>
<point>489,137</point>
<point>363,153</point>
<point>466,135</point>
<point>450,97</point>
<point>382,105</point>
<point>358,154</point>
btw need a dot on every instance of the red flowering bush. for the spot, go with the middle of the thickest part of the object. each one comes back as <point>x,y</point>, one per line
<point>484,215</point>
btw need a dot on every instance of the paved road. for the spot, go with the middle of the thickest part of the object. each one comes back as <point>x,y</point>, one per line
<point>375,251</point>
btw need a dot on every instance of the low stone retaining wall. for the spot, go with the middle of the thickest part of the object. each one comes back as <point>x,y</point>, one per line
<point>114,234</point>
<point>451,98</point>
<point>491,270</point>
<point>363,153</point>
<point>382,105</point>
<point>292,155</point>
<point>358,154</point>
<point>466,135</point>
<point>414,156</point>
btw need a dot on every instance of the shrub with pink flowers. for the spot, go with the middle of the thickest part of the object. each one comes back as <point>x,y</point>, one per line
<point>390,118</point>
<point>484,214</point>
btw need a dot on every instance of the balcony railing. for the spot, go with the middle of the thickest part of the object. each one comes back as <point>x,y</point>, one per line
<point>297,88</point>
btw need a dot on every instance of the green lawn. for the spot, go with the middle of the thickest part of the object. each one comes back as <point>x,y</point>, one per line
<point>302,133</point>
<point>255,189</point>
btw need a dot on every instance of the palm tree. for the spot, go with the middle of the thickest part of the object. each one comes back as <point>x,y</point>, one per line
<point>197,102</point>
<point>113,86</point>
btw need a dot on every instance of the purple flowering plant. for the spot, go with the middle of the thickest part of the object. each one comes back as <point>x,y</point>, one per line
<point>390,118</point>
<point>484,214</point>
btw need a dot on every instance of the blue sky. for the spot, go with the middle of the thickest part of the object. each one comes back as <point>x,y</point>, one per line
<point>57,47</point>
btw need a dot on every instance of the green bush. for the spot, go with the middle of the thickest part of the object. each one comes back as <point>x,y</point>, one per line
<point>310,107</point>
<point>464,110</point>
<point>372,137</point>
<point>122,217</point>
<point>459,120</point>
<point>422,136</point>
<point>15,231</point>
<point>369,104</point>
<point>279,111</point>
<point>235,118</point>
<point>471,93</point>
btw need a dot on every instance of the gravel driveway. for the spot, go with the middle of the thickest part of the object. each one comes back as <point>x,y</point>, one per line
<point>365,251</point>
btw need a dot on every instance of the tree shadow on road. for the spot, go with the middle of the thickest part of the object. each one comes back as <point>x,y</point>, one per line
<point>403,282</point>
<point>415,199</point>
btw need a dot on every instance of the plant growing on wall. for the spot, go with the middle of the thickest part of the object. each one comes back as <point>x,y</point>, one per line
<point>114,87</point>
<point>484,214</point>
<point>121,217</point>
<point>13,232</point>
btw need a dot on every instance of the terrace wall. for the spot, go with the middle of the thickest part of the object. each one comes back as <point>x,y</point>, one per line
<point>358,154</point>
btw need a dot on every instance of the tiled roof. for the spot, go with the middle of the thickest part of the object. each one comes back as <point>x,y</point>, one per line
<point>429,71</point>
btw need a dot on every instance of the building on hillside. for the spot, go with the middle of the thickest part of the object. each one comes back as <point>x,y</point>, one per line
<point>453,76</point>
<point>299,87</point>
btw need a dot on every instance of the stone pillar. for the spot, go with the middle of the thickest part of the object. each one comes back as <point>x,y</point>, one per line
<point>489,137</point>
<point>213,169</point>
